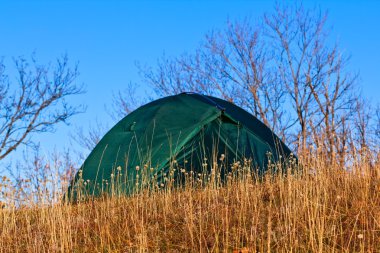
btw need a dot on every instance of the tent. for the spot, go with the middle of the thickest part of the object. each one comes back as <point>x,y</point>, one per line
<point>189,130</point>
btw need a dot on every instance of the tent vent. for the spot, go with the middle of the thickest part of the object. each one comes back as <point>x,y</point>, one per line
<point>130,128</point>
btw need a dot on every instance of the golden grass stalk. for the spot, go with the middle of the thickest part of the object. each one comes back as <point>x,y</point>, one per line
<point>320,208</point>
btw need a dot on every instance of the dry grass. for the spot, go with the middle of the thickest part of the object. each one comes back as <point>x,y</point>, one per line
<point>325,210</point>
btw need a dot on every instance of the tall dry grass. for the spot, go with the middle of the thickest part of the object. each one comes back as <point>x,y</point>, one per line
<point>319,208</point>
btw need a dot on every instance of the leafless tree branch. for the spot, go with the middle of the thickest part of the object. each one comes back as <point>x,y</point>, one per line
<point>36,101</point>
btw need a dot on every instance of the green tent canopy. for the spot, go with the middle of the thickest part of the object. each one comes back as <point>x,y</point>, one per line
<point>190,130</point>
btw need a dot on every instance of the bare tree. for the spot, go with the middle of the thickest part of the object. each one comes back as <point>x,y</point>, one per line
<point>127,100</point>
<point>377,124</point>
<point>232,64</point>
<point>294,37</point>
<point>39,178</point>
<point>89,137</point>
<point>319,88</point>
<point>36,101</point>
<point>283,69</point>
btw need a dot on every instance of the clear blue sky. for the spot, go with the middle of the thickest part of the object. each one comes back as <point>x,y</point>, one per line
<point>107,37</point>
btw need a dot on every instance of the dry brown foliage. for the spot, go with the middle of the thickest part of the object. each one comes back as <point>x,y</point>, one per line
<point>319,208</point>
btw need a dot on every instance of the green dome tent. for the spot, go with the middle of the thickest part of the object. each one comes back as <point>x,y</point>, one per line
<point>185,129</point>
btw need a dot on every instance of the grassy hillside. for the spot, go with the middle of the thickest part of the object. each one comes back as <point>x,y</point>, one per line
<point>320,208</point>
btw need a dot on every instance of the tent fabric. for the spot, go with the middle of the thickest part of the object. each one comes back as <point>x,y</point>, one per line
<point>186,128</point>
